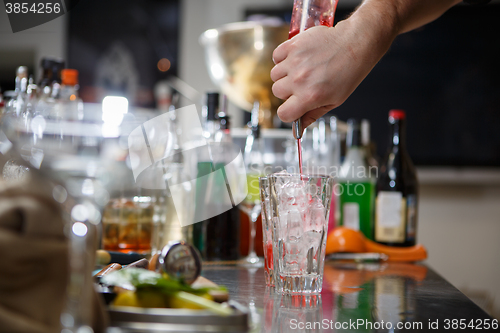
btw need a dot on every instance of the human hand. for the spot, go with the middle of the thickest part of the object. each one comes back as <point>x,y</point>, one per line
<point>318,69</point>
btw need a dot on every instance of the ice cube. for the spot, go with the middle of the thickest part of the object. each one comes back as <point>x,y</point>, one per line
<point>316,214</point>
<point>295,225</point>
<point>309,239</point>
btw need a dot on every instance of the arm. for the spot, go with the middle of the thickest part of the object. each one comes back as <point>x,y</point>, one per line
<point>319,68</point>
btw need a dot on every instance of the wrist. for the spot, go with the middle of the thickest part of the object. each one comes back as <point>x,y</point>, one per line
<point>379,18</point>
<point>376,23</point>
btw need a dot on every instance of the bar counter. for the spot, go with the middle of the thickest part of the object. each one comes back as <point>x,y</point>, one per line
<point>388,297</point>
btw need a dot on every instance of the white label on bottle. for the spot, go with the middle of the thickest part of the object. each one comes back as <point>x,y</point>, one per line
<point>390,217</point>
<point>351,215</point>
<point>389,296</point>
<point>411,217</point>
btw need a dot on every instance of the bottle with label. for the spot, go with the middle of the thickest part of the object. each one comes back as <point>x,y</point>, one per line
<point>397,190</point>
<point>356,185</point>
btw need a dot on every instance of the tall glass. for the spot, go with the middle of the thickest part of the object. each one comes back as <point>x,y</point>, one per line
<point>252,207</point>
<point>300,205</point>
<point>267,231</point>
<point>255,168</point>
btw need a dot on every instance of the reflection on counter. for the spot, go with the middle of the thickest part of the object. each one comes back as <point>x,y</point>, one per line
<point>356,297</point>
<point>365,294</point>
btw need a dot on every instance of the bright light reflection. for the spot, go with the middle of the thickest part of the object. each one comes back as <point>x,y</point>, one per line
<point>79,229</point>
<point>212,33</point>
<point>258,36</point>
<point>113,109</point>
<point>217,71</point>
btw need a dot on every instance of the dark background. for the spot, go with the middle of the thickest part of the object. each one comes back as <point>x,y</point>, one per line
<point>148,29</point>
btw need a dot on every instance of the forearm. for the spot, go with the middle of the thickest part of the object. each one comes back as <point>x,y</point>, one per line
<point>400,16</point>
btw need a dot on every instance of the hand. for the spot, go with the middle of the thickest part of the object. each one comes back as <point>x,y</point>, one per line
<point>318,69</point>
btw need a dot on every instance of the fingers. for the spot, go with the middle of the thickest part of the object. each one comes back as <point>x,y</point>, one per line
<point>281,52</point>
<point>313,115</point>
<point>279,71</point>
<point>281,88</point>
<point>291,109</point>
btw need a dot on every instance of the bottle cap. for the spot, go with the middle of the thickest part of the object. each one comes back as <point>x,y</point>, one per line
<point>397,114</point>
<point>22,72</point>
<point>69,77</point>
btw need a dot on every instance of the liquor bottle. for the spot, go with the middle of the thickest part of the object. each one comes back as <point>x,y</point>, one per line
<point>17,103</point>
<point>356,185</point>
<point>334,164</point>
<point>31,99</point>
<point>205,166</point>
<point>179,215</point>
<point>70,105</point>
<point>397,190</point>
<point>222,231</point>
<point>50,86</point>
<point>368,144</point>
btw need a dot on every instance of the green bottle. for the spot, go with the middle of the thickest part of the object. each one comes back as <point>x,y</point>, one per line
<point>356,185</point>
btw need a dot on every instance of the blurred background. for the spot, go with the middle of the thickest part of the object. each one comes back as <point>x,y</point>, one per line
<point>445,75</point>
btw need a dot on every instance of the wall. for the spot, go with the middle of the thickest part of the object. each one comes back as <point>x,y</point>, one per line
<point>48,39</point>
<point>460,226</point>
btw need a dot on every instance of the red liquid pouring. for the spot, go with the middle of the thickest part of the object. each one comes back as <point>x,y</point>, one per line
<point>299,146</point>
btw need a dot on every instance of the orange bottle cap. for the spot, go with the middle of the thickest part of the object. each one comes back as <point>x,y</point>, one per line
<point>69,77</point>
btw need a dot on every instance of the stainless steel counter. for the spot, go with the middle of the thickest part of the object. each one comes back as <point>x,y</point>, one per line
<point>356,298</point>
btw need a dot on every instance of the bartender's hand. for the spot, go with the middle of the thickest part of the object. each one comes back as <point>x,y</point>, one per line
<point>318,69</point>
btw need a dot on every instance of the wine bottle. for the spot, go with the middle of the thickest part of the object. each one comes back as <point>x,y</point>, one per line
<point>397,189</point>
<point>356,188</point>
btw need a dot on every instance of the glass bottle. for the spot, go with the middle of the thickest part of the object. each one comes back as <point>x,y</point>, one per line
<point>356,185</point>
<point>50,86</point>
<point>178,212</point>
<point>70,105</point>
<point>223,230</point>
<point>17,103</point>
<point>205,165</point>
<point>397,189</point>
<point>368,144</point>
